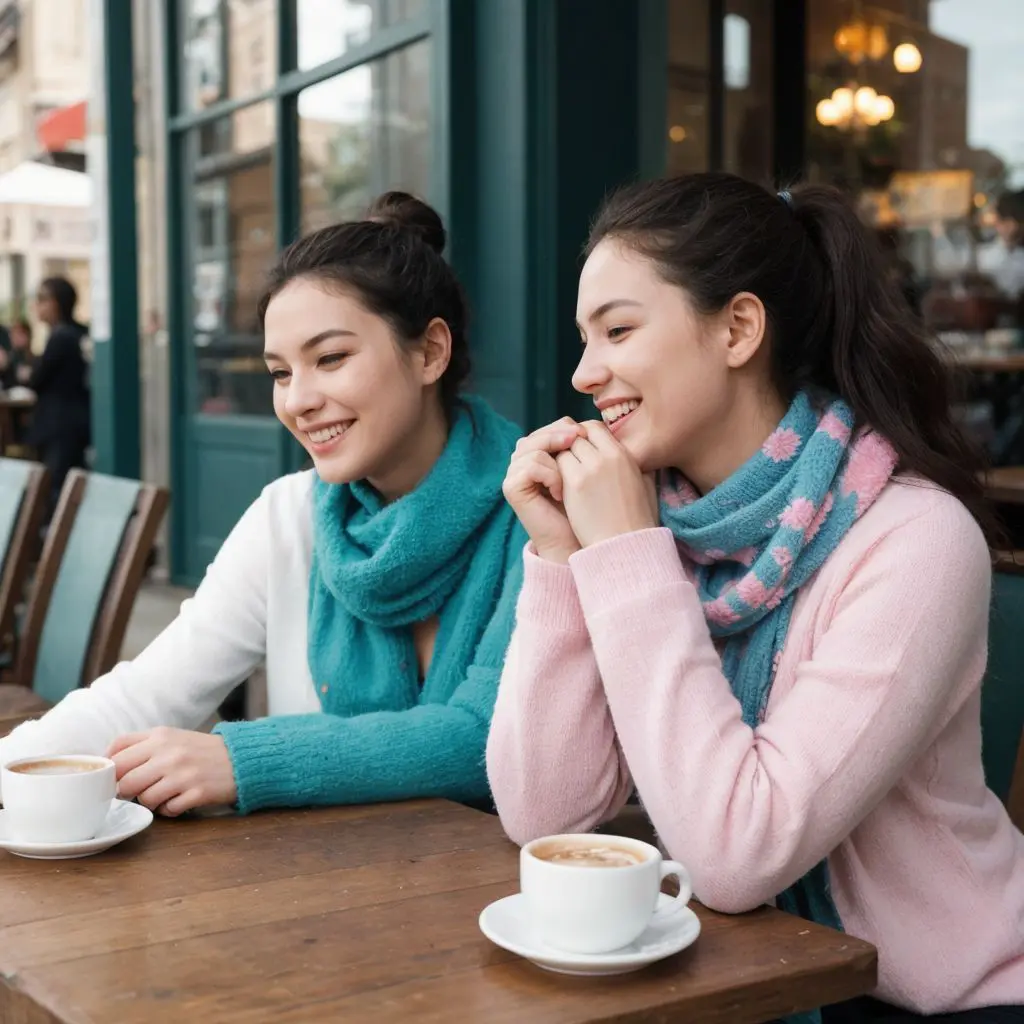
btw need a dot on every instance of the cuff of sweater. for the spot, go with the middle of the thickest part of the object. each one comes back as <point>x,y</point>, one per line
<point>548,597</point>
<point>267,771</point>
<point>624,567</point>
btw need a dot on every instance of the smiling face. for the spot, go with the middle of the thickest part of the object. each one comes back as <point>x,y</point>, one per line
<point>362,405</point>
<point>677,388</point>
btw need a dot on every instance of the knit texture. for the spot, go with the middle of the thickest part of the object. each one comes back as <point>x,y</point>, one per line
<point>757,538</point>
<point>869,753</point>
<point>448,549</point>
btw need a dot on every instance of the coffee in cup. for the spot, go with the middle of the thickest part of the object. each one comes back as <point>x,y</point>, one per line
<point>593,894</point>
<point>57,798</point>
<point>587,855</point>
<point>55,766</point>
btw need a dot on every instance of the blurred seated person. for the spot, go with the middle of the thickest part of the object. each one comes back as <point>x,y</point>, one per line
<point>1009,273</point>
<point>16,359</point>
<point>898,268</point>
<point>61,418</point>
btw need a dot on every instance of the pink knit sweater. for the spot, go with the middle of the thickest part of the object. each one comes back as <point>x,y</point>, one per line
<point>869,754</point>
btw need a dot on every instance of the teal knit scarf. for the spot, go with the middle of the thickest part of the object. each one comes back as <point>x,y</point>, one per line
<point>379,568</point>
<point>757,538</point>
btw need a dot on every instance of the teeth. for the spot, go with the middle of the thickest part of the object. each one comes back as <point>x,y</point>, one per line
<point>616,412</point>
<point>320,436</point>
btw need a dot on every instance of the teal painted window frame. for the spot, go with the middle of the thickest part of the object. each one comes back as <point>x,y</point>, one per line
<point>435,24</point>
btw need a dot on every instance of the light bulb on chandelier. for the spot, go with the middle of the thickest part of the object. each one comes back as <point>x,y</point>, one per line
<point>906,58</point>
<point>848,107</point>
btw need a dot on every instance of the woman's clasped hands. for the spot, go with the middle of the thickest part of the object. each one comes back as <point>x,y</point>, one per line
<point>573,485</point>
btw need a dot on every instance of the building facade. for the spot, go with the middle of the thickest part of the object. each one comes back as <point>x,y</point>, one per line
<point>256,120</point>
<point>45,221</point>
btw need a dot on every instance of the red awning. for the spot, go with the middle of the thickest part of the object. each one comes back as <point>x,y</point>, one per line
<point>60,127</point>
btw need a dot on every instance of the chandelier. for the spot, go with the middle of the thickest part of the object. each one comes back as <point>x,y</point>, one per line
<point>866,41</point>
<point>852,107</point>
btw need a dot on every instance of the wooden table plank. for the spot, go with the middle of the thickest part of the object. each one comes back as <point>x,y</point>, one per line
<point>1005,484</point>
<point>355,914</point>
<point>990,362</point>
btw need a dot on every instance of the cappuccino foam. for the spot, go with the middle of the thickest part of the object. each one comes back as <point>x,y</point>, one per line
<point>593,856</point>
<point>55,767</point>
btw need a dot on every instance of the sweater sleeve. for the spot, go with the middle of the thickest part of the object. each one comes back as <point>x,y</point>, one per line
<point>552,756</point>
<point>430,750</point>
<point>215,642</point>
<point>749,811</point>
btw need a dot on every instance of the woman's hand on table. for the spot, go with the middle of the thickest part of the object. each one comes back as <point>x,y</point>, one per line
<point>171,771</point>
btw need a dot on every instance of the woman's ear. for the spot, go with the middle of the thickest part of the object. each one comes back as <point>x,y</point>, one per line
<point>437,350</point>
<point>745,319</point>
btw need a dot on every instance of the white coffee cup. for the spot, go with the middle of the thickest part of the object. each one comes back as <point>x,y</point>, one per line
<point>57,798</point>
<point>576,906</point>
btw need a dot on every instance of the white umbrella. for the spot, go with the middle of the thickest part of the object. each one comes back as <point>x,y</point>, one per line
<point>39,184</point>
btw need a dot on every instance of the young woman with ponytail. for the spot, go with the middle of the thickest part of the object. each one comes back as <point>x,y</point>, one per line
<point>757,593</point>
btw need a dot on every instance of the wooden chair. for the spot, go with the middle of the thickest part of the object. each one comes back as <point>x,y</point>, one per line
<point>22,506</point>
<point>92,565</point>
<point>1002,695</point>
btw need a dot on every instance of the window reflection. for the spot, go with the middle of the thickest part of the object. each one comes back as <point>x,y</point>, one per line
<point>232,235</point>
<point>363,132</point>
<point>230,49</point>
<point>747,135</point>
<point>688,86</point>
<point>330,28</point>
<point>917,113</point>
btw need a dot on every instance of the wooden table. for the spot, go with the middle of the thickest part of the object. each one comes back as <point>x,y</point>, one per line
<point>9,408</point>
<point>991,362</point>
<point>356,914</point>
<point>1005,485</point>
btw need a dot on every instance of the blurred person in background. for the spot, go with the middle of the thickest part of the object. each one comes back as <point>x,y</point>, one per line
<point>16,359</point>
<point>1009,274</point>
<point>61,420</point>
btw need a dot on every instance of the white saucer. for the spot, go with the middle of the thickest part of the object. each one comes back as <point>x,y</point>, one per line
<point>124,821</point>
<point>504,923</point>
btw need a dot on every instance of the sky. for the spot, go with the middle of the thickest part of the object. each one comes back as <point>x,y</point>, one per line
<point>994,32</point>
<point>322,24</point>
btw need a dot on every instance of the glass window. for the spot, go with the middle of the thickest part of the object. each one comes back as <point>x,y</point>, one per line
<point>365,131</point>
<point>916,111</point>
<point>920,118</point>
<point>688,80</point>
<point>231,242</point>
<point>330,28</point>
<point>230,49</point>
<point>748,89</point>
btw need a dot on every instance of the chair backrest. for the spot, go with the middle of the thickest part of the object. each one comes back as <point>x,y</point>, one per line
<point>22,506</point>
<point>1002,695</point>
<point>92,565</point>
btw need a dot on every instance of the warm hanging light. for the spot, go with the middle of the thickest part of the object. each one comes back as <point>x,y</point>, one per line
<point>849,108</point>
<point>884,108</point>
<point>906,58</point>
<point>864,100</point>
<point>843,99</point>
<point>827,113</point>
<point>858,40</point>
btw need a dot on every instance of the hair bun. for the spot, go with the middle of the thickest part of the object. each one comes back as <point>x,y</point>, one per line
<point>405,211</point>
